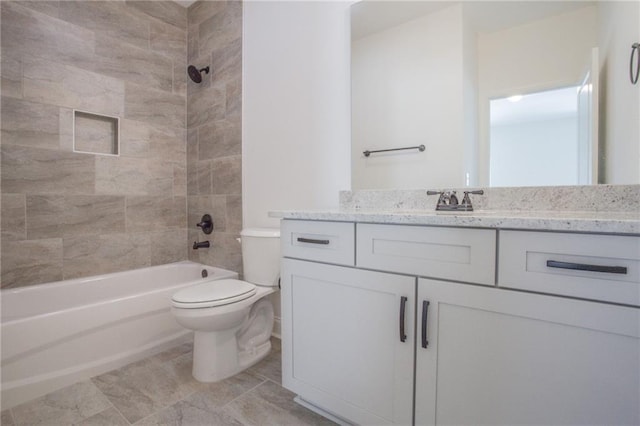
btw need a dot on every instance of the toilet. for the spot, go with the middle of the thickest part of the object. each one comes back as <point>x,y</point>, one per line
<point>232,319</point>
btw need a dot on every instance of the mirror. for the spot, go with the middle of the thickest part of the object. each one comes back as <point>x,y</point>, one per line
<point>432,73</point>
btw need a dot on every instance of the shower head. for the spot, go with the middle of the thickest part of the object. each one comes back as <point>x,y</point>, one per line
<point>195,74</point>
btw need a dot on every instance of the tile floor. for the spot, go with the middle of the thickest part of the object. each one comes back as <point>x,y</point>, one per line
<point>160,390</point>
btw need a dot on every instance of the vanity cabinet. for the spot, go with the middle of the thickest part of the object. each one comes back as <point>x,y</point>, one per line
<point>494,333</point>
<point>348,340</point>
<point>503,357</point>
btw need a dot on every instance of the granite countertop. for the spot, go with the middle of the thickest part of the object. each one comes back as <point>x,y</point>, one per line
<point>581,221</point>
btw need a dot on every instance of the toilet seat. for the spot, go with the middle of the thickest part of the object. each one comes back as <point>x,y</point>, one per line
<point>213,293</point>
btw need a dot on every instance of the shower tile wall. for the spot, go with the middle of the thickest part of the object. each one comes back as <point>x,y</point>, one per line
<point>66,214</point>
<point>214,140</point>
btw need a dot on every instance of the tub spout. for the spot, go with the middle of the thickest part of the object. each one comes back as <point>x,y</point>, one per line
<point>201,244</point>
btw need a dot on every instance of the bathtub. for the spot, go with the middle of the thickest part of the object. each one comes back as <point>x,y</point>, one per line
<point>58,333</point>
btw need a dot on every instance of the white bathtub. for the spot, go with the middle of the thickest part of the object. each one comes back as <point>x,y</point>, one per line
<point>58,333</point>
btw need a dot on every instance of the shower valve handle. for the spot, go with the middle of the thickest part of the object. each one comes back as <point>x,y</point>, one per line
<point>206,224</point>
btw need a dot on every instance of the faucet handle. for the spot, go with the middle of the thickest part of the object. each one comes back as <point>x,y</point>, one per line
<point>466,200</point>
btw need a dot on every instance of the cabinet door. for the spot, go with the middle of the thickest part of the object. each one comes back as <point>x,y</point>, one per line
<point>499,356</point>
<point>341,344</point>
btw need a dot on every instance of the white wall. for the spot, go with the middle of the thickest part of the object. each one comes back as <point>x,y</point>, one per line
<point>296,97</point>
<point>545,54</point>
<point>407,91</point>
<point>539,153</point>
<point>620,130</point>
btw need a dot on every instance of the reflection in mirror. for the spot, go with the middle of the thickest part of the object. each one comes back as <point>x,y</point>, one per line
<point>426,73</point>
<point>533,139</point>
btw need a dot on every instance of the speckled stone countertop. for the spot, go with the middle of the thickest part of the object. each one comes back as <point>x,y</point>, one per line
<point>598,222</point>
<point>610,209</point>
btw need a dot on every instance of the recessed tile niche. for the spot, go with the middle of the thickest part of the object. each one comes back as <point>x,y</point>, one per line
<point>95,133</point>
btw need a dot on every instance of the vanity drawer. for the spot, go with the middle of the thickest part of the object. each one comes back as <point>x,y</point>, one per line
<point>461,254</point>
<point>331,242</point>
<point>598,267</point>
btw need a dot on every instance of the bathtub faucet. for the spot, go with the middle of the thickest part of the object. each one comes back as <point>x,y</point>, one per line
<point>201,244</point>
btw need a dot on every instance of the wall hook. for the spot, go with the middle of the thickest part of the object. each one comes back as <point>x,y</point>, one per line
<point>635,53</point>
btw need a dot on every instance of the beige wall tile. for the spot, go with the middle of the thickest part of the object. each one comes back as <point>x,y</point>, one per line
<point>234,213</point>
<point>169,40</point>
<point>220,138</point>
<point>31,262</point>
<point>11,73</point>
<point>58,84</point>
<point>13,215</point>
<point>225,252</point>
<point>227,175</point>
<point>153,213</point>
<point>168,246</point>
<point>192,41</point>
<point>168,143</point>
<point>166,11</point>
<point>205,105</point>
<point>227,61</point>
<point>52,216</point>
<point>85,256</point>
<point>44,171</point>
<point>134,139</point>
<point>30,123</point>
<point>203,10</point>
<point>180,179</point>
<point>180,78</point>
<point>109,18</point>
<point>89,56</point>
<point>121,175</point>
<point>221,29</point>
<point>168,110</point>
<point>48,7</point>
<point>160,177</point>
<point>234,99</point>
<point>204,178</point>
<point>131,63</point>
<point>31,33</point>
<point>66,129</point>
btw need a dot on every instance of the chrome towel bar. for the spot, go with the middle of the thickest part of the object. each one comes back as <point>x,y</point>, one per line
<point>419,148</point>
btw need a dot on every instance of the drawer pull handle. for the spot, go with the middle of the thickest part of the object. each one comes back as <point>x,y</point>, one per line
<point>587,267</point>
<point>425,311</point>
<point>313,241</point>
<point>403,304</point>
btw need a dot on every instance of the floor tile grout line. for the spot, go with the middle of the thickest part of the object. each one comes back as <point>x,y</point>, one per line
<point>110,402</point>
<point>243,394</point>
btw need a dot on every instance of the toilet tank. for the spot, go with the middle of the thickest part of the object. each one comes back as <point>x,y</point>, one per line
<point>261,255</point>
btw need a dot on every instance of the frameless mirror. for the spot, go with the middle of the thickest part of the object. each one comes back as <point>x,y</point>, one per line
<point>446,75</point>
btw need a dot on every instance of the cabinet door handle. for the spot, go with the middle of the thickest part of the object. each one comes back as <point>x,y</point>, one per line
<point>425,311</point>
<point>587,267</point>
<point>403,305</point>
<point>313,241</point>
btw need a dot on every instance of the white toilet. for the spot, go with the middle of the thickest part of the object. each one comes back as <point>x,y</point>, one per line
<point>232,319</point>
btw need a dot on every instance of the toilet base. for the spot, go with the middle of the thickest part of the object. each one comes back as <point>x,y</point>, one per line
<point>216,355</point>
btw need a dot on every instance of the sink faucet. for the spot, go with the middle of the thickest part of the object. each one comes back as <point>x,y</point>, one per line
<point>448,200</point>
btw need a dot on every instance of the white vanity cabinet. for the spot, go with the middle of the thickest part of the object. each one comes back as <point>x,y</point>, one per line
<point>502,327</point>
<point>503,357</point>
<point>348,340</point>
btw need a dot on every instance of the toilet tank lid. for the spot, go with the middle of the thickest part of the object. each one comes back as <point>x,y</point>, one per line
<point>261,232</point>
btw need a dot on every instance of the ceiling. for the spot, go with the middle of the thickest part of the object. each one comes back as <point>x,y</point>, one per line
<point>368,17</point>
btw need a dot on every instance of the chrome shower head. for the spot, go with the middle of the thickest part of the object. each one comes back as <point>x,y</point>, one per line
<point>195,74</point>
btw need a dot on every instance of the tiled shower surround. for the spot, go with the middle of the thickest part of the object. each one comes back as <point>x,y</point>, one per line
<point>214,139</point>
<point>67,215</point>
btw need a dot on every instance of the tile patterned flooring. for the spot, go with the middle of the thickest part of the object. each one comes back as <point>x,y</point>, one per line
<point>160,390</point>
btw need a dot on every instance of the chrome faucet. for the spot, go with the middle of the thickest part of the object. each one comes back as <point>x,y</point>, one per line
<point>448,200</point>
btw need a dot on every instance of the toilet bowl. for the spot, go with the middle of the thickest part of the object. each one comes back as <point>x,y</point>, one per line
<point>231,319</point>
